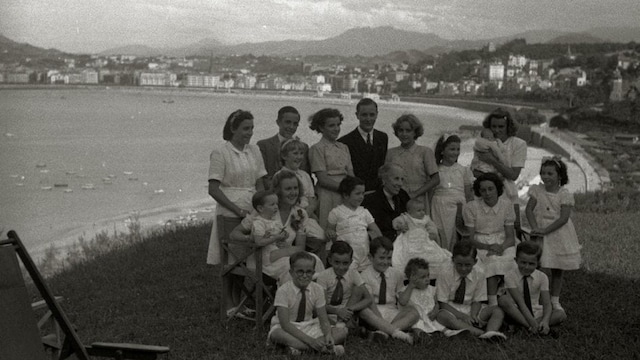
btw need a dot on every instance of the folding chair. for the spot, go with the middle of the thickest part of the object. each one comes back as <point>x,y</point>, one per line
<point>21,339</point>
<point>244,254</point>
<point>461,229</point>
<point>523,233</point>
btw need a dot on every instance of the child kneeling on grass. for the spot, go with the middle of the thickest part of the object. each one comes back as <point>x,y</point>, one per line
<point>344,288</point>
<point>527,301</point>
<point>461,288</point>
<point>296,302</point>
<point>384,283</point>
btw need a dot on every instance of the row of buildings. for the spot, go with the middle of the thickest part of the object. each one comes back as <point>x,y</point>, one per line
<point>517,72</point>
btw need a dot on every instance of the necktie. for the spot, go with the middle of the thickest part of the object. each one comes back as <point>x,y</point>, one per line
<point>396,202</point>
<point>338,293</point>
<point>382,295</point>
<point>526,293</point>
<point>302,308</point>
<point>369,139</point>
<point>462,288</point>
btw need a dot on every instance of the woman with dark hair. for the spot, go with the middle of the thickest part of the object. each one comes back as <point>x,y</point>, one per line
<point>418,161</point>
<point>330,161</point>
<point>504,128</point>
<point>489,220</point>
<point>235,174</point>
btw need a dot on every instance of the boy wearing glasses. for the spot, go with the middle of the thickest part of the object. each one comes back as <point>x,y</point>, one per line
<point>297,303</point>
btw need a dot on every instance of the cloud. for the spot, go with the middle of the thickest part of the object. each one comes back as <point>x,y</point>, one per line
<point>93,25</point>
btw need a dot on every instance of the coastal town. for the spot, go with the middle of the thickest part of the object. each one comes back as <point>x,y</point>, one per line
<point>558,71</point>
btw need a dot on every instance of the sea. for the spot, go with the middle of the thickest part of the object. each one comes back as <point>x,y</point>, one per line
<point>76,162</point>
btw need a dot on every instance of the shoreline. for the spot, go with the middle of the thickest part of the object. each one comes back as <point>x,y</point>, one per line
<point>199,210</point>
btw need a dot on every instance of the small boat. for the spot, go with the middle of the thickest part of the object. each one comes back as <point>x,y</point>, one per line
<point>159,191</point>
<point>70,172</point>
<point>19,184</point>
<point>111,176</point>
<point>133,178</point>
<point>128,172</point>
<point>44,171</point>
<point>61,185</point>
<point>14,175</point>
<point>46,188</point>
<point>88,187</point>
<point>9,134</point>
<point>68,190</point>
<point>41,165</point>
<point>168,101</point>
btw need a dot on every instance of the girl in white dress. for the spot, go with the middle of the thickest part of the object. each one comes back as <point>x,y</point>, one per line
<point>421,295</point>
<point>549,214</point>
<point>454,188</point>
<point>352,223</point>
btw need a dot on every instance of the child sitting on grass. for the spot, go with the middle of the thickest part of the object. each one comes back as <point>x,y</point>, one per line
<point>383,283</point>
<point>419,238</point>
<point>461,288</point>
<point>527,301</point>
<point>296,302</point>
<point>344,288</point>
<point>421,295</point>
<point>352,223</point>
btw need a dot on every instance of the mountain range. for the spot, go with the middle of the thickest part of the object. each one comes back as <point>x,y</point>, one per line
<point>363,41</point>
<point>367,41</point>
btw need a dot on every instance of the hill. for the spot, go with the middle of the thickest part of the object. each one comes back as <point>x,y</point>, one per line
<point>12,51</point>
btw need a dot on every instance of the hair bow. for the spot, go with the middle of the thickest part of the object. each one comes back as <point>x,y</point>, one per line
<point>555,159</point>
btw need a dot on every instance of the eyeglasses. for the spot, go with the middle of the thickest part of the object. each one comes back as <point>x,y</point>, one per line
<point>301,273</point>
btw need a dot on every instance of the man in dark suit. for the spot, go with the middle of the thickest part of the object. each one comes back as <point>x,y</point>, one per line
<point>288,121</point>
<point>367,146</point>
<point>388,201</point>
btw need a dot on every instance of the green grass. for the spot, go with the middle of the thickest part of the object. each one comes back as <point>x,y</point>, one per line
<point>159,291</point>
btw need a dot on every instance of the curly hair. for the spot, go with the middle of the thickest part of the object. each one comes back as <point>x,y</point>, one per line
<point>233,121</point>
<point>494,178</point>
<point>561,169</point>
<point>442,143</point>
<point>415,264</point>
<point>500,113</point>
<point>414,123</point>
<point>281,175</point>
<point>319,119</point>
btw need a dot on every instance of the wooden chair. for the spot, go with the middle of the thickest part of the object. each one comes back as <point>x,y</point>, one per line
<point>20,337</point>
<point>244,254</point>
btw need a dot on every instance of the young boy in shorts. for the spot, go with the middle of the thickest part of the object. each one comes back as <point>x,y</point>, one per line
<point>344,288</point>
<point>384,283</point>
<point>460,290</point>
<point>296,302</point>
<point>529,305</point>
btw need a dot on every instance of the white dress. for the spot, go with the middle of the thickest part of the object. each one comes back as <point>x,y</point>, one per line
<point>446,197</point>
<point>424,300</point>
<point>416,242</point>
<point>560,249</point>
<point>351,227</point>
<point>489,224</point>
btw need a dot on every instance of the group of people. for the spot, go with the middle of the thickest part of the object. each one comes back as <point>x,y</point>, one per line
<point>359,237</point>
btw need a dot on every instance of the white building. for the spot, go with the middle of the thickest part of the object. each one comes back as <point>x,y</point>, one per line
<point>496,72</point>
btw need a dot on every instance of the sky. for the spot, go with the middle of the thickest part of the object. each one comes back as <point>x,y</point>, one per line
<point>85,26</point>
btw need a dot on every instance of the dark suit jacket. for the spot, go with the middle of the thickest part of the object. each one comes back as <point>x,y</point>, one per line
<point>367,160</point>
<point>382,211</point>
<point>270,149</point>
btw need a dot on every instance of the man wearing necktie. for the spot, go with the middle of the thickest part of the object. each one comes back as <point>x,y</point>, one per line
<point>528,302</point>
<point>367,146</point>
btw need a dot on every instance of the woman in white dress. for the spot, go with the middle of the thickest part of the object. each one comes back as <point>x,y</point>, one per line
<point>235,173</point>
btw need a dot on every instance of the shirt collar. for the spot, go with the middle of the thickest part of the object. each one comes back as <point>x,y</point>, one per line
<point>328,142</point>
<point>233,148</point>
<point>486,208</point>
<point>282,138</point>
<point>364,134</point>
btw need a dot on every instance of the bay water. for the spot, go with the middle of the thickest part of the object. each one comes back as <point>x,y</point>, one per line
<point>79,161</point>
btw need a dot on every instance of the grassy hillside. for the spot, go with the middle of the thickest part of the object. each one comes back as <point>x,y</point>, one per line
<point>159,291</point>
